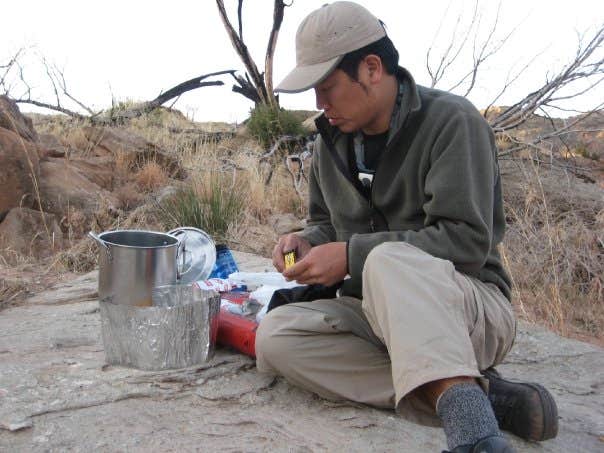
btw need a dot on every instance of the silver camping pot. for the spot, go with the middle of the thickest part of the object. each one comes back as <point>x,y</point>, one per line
<point>133,262</point>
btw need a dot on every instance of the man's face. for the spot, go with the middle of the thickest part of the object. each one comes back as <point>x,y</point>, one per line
<point>346,102</point>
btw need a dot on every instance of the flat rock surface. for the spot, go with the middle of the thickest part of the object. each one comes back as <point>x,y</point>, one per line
<point>57,394</point>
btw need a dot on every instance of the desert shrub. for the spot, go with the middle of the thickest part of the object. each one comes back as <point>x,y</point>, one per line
<point>267,123</point>
<point>553,249</point>
<point>212,205</point>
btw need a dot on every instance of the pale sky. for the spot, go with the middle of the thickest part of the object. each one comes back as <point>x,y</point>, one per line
<point>135,49</point>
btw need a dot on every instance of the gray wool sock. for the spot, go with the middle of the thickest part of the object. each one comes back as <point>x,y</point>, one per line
<point>466,414</point>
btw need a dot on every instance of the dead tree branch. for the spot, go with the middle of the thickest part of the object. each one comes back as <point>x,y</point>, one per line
<point>482,49</point>
<point>244,54</point>
<point>239,10</point>
<point>507,84</point>
<point>256,86</point>
<point>26,98</point>
<point>60,89</point>
<point>580,68</point>
<point>172,93</point>
<point>280,141</point>
<point>557,132</point>
<point>487,50</point>
<point>246,88</point>
<point>451,53</point>
<point>580,76</point>
<point>298,174</point>
<point>278,12</point>
<point>7,68</point>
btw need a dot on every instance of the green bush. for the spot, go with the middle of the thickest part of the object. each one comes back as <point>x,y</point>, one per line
<point>267,124</point>
<point>213,207</point>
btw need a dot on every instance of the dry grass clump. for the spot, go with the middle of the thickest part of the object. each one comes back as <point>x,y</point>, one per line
<point>125,163</point>
<point>11,257</point>
<point>268,186</point>
<point>211,203</point>
<point>144,217</point>
<point>554,249</point>
<point>10,291</point>
<point>77,139</point>
<point>172,131</point>
<point>150,177</point>
<point>75,224</point>
<point>129,196</point>
<point>253,236</point>
<point>81,258</point>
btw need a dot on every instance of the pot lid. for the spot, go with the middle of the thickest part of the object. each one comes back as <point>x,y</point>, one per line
<point>196,254</point>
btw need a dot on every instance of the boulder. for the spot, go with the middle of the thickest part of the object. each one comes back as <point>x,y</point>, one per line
<point>12,119</point>
<point>19,164</point>
<point>98,169</point>
<point>51,146</point>
<point>29,233</point>
<point>116,142</point>
<point>63,187</point>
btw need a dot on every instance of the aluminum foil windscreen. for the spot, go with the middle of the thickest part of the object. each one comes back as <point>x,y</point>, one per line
<point>178,331</point>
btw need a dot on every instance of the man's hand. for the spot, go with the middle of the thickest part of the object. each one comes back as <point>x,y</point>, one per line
<point>324,264</point>
<point>286,244</point>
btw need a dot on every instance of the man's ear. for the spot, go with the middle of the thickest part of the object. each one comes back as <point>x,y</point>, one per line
<point>374,67</point>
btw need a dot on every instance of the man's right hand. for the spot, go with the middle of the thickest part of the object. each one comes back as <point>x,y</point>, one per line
<point>286,244</point>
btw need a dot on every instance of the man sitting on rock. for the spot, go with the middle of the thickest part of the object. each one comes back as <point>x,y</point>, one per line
<point>405,199</point>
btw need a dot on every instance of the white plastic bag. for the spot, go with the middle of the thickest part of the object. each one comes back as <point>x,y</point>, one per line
<point>254,280</point>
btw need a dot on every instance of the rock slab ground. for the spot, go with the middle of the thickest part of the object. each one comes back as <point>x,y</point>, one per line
<point>57,394</point>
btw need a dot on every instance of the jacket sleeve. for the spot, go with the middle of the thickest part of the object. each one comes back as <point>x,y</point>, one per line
<point>319,229</point>
<point>459,189</point>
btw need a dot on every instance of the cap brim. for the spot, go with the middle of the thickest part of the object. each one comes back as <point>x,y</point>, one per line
<point>303,78</point>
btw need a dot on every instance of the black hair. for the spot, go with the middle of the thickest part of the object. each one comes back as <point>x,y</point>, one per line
<point>383,48</point>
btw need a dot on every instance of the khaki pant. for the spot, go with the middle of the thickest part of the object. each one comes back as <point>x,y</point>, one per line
<point>420,320</point>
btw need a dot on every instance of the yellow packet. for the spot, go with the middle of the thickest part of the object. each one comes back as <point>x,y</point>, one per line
<point>290,259</point>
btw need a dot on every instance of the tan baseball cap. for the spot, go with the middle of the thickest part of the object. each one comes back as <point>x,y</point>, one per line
<point>324,37</point>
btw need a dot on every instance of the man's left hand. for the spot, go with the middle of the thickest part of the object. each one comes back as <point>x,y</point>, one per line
<point>324,264</point>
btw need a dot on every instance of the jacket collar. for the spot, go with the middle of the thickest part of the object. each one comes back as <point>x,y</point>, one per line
<point>411,104</point>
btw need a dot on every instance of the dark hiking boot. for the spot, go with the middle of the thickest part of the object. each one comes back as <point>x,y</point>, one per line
<point>491,444</point>
<point>526,409</point>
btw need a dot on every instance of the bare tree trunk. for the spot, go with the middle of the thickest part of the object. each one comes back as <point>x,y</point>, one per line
<point>261,84</point>
<point>244,54</point>
<point>278,12</point>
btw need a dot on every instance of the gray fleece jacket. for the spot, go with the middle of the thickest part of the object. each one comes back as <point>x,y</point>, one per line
<point>436,187</point>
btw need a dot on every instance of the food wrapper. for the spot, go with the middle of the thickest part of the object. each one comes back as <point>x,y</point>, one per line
<point>253,280</point>
<point>220,285</point>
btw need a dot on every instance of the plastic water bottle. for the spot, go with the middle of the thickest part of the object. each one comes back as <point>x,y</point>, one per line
<point>225,263</point>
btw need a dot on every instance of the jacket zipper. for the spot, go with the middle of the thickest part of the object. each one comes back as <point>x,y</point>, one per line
<point>375,173</point>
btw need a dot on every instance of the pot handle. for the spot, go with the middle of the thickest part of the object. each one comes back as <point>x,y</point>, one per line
<point>101,243</point>
<point>181,255</point>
